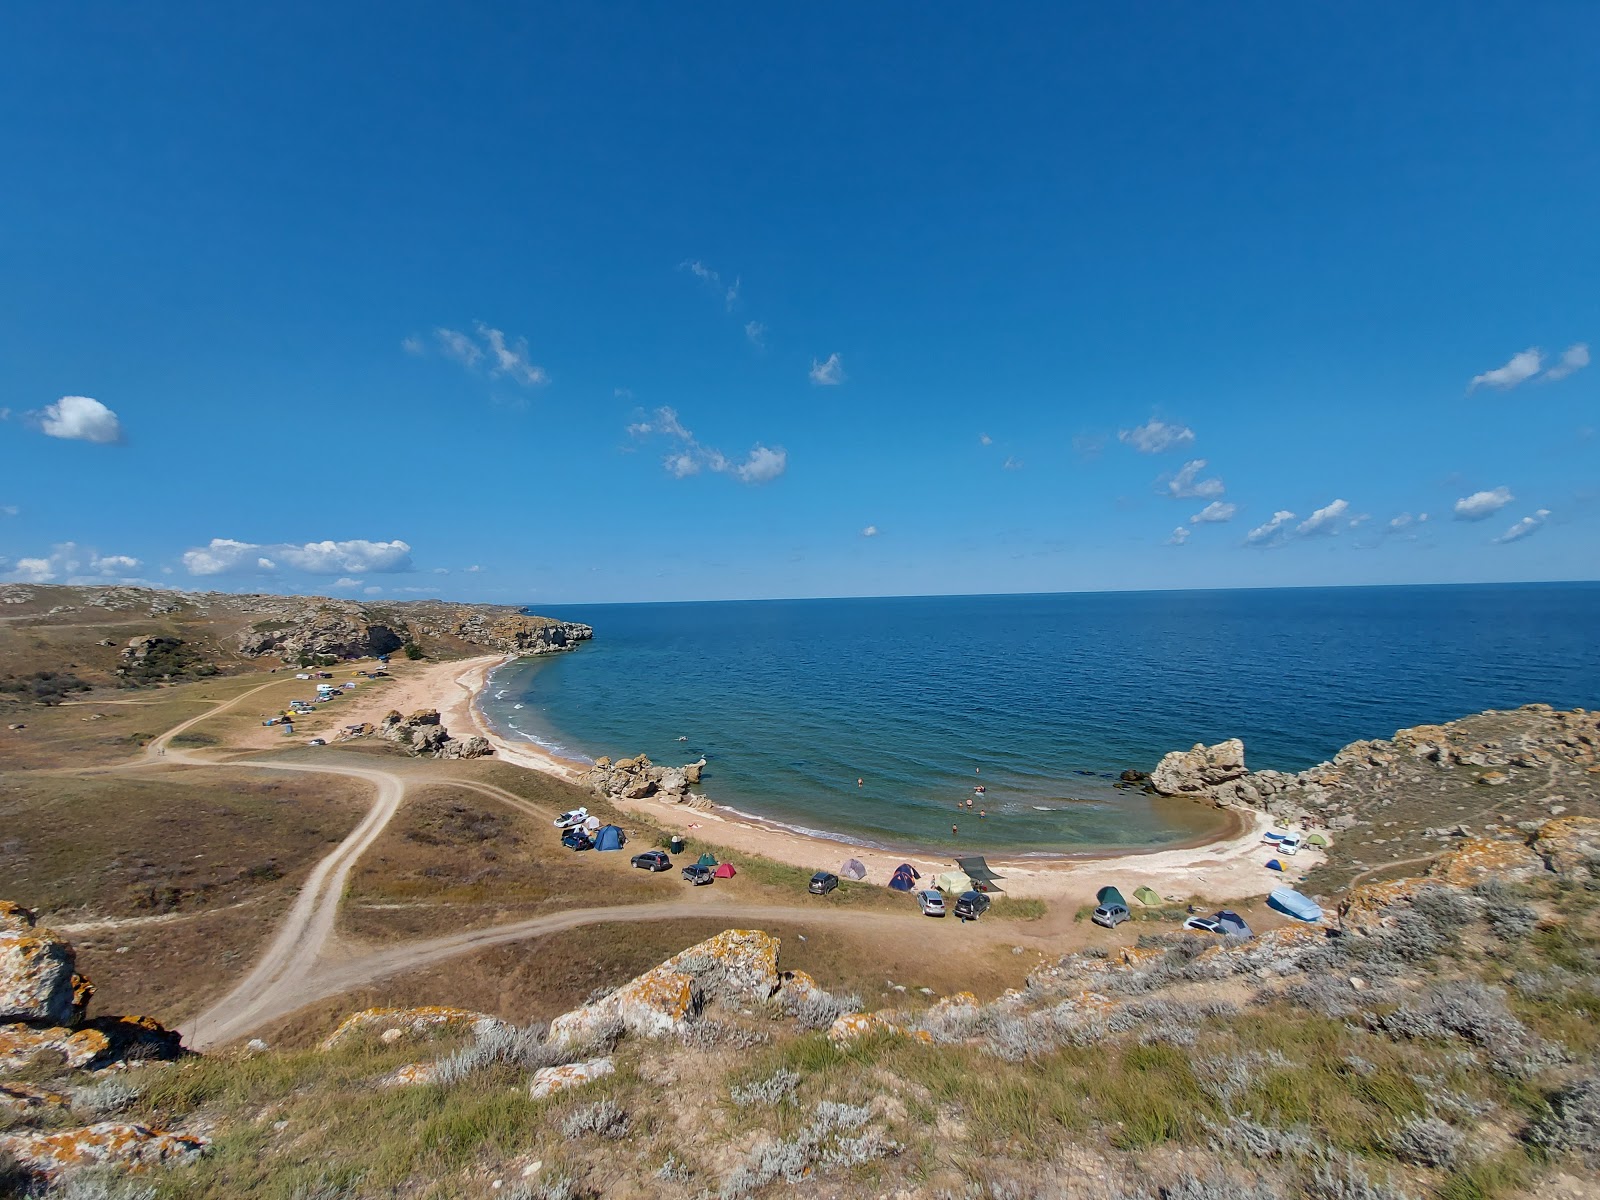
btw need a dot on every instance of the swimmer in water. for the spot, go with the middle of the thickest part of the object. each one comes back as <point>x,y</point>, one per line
<point>982,813</point>
<point>952,829</point>
<point>858,783</point>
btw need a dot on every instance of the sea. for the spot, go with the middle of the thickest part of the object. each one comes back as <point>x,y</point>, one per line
<point>874,721</point>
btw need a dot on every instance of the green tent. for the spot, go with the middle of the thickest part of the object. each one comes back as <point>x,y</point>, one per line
<point>1316,839</point>
<point>1110,895</point>
<point>1146,895</point>
<point>707,860</point>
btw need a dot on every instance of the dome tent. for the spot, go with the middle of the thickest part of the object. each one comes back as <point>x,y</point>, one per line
<point>609,838</point>
<point>852,869</point>
<point>905,878</point>
<point>724,871</point>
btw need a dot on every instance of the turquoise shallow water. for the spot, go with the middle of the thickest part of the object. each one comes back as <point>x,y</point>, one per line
<point>1042,699</point>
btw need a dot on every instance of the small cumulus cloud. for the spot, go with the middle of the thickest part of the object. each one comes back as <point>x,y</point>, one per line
<point>503,357</point>
<point>1520,369</point>
<point>71,563</point>
<point>829,373</point>
<point>223,556</point>
<point>1214,513</point>
<point>414,345</point>
<point>1012,463</point>
<point>1324,521</point>
<point>1187,485</point>
<point>870,531</point>
<point>756,334</point>
<point>985,440</point>
<point>1180,535</point>
<point>728,291</point>
<point>1482,505</point>
<point>1574,358</point>
<point>473,569</point>
<point>1405,521</point>
<point>762,464</point>
<point>1157,437</point>
<point>346,583</point>
<point>1523,528</point>
<point>1270,533</point>
<point>371,591</point>
<point>80,419</point>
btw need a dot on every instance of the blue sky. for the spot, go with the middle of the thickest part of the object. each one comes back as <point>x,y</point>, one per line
<point>623,302</point>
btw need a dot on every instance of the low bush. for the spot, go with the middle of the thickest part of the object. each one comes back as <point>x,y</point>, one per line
<point>1427,1142</point>
<point>1572,1126</point>
<point>604,1118</point>
<point>775,1089</point>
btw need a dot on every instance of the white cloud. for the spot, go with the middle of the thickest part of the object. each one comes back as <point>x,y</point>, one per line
<point>473,569</point>
<point>71,563</point>
<point>1574,358</point>
<point>1520,369</point>
<point>1011,463</point>
<point>1481,505</point>
<point>1216,511</point>
<point>1523,527</point>
<point>985,440</point>
<point>441,570</point>
<point>1186,486</point>
<point>222,556</point>
<point>829,373</point>
<point>756,332</point>
<point>372,591</point>
<point>1157,437</point>
<point>870,531</point>
<point>761,465</point>
<point>1272,532</point>
<point>1180,535</point>
<point>730,292</point>
<point>346,583</point>
<point>506,358</point>
<point>1324,520</point>
<point>413,345</point>
<point>9,510</point>
<point>115,564</point>
<point>1405,520</point>
<point>34,570</point>
<point>81,418</point>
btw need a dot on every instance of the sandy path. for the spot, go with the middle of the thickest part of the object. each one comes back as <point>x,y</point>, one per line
<point>277,979</point>
<point>158,745</point>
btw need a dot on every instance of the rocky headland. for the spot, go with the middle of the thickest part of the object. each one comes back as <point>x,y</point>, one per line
<point>637,778</point>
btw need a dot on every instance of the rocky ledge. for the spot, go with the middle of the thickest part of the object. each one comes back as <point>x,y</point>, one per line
<point>637,778</point>
<point>1496,745</point>
<point>421,734</point>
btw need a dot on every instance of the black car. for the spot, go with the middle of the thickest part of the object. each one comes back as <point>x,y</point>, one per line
<point>577,839</point>
<point>823,882</point>
<point>698,875</point>
<point>971,905</point>
<point>653,860</point>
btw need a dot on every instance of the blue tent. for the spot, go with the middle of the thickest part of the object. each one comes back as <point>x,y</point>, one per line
<point>1233,924</point>
<point>609,838</point>
<point>905,878</point>
<point>1274,865</point>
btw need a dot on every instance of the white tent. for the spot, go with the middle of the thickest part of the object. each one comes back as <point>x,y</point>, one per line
<point>953,882</point>
<point>852,869</point>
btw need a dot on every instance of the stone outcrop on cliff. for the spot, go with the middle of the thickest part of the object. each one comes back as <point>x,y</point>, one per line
<point>1498,746</point>
<point>422,735</point>
<point>347,629</point>
<point>340,630</point>
<point>515,633</point>
<point>37,979</point>
<point>637,778</point>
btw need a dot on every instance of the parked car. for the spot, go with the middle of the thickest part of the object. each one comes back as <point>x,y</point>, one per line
<point>317,742</point>
<point>1289,844</point>
<point>931,903</point>
<point>698,875</point>
<point>652,860</point>
<point>576,839</point>
<point>971,905</point>
<point>1205,925</point>
<point>567,820</point>
<point>1111,915</point>
<point>823,882</point>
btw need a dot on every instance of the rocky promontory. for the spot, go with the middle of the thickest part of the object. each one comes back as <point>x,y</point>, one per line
<point>421,734</point>
<point>638,778</point>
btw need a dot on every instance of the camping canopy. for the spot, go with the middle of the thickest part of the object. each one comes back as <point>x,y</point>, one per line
<point>1233,924</point>
<point>1146,895</point>
<point>953,882</point>
<point>1110,895</point>
<point>707,859</point>
<point>1316,839</point>
<point>977,868</point>
<point>852,869</point>
<point>609,838</point>
<point>1287,900</point>
<point>724,871</point>
<point>904,878</point>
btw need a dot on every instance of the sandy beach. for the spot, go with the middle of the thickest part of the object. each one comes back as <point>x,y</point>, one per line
<point>1228,868</point>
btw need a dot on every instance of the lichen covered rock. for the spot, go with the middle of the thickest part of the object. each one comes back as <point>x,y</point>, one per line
<point>1571,846</point>
<point>37,982</point>
<point>1188,772</point>
<point>407,1022</point>
<point>21,1044</point>
<point>107,1144</point>
<point>548,1080</point>
<point>1472,859</point>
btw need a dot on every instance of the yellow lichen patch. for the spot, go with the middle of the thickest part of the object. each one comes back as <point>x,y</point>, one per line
<point>547,1080</point>
<point>25,1098</point>
<point>1475,858</point>
<point>1363,908</point>
<point>849,1026</point>
<point>109,1143</point>
<point>21,1044</point>
<point>749,957</point>
<point>408,1020</point>
<point>15,918</point>
<point>1132,956</point>
<point>1571,845</point>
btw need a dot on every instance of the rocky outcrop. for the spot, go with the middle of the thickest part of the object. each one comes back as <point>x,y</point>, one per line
<point>1570,846</point>
<point>393,1024</point>
<point>21,1044</point>
<point>1186,772</point>
<point>549,1080</point>
<point>637,778</point>
<point>108,1144</point>
<point>37,980</point>
<point>1473,859</point>
<point>339,630</point>
<point>736,966</point>
<point>422,735</point>
<point>516,633</point>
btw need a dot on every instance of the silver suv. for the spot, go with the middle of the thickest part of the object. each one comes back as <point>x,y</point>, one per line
<point>931,903</point>
<point>1111,915</point>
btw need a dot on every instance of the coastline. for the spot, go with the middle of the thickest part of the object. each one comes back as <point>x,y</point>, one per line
<point>1223,866</point>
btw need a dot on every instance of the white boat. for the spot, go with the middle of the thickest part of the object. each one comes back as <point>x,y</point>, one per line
<point>568,820</point>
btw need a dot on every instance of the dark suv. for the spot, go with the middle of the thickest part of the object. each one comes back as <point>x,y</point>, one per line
<point>653,860</point>
<point>971,905</point>
<point>823,882</point>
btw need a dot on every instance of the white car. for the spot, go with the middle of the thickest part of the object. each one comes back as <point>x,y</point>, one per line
<point>1290,844</point>
<point>569,820</point>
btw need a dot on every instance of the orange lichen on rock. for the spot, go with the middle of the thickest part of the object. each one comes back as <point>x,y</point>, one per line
<point>547,1080</point>
<point>109,1143</point>
<point>1472,859</point>
<point>748,958</point>
<point>36,978</point>
<point>14,918</point>
<point>21,1044</point>
<point>23,1098</point>
<point>1571,845</point>
<point>406,1020</point>
<point>1363,909</point>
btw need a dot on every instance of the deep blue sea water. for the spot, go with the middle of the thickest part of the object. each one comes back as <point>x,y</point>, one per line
<point>1041,698</point>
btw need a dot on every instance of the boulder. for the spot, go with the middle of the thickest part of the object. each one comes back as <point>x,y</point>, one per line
<point>137,1039</point>
<point>107,1144</point>
<point>692,771</point>
<point>736,964</point>
<point>408,1022</point>
<point>23,1099</point>
<point>1570,846</point>
<point>14,918</point>
<point>1475,858</point>
<point>21,1044</point>
<point>674,781</point>
<point>1187,772</point>
<point>470,747</point>
<point>37,982</point>
<point>548,1080</point>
